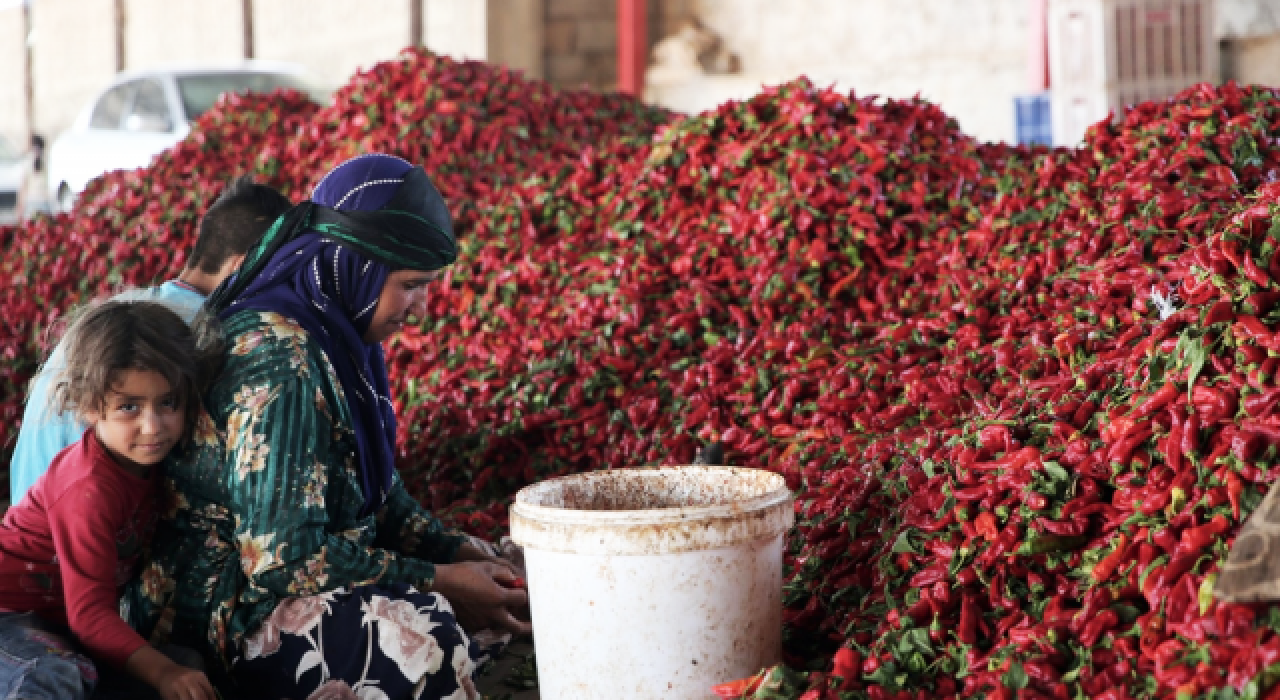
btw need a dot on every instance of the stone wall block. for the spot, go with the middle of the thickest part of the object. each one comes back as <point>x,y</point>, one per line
<point>561,36</point>
<point>596,35</point>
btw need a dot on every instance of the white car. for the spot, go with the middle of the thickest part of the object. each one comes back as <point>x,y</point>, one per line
<point>13,171</point>
<point>142,113</point>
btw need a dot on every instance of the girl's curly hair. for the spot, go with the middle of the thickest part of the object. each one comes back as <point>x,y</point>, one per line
<point>110,337</point>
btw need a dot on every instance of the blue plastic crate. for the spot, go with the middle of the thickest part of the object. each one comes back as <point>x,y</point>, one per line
<point>1032,121</point>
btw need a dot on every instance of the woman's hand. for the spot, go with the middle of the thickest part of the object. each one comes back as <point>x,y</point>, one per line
<point>470,552</point>
<point>482,596</point>
<point>172,681</point>
<point>182,683</point>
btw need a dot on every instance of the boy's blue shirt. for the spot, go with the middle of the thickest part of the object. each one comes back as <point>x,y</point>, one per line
<point>44,434</point>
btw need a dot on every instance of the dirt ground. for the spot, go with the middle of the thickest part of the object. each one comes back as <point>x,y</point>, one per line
<point>503,681</point>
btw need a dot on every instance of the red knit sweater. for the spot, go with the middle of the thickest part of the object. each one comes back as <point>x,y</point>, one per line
<point>75,538</point>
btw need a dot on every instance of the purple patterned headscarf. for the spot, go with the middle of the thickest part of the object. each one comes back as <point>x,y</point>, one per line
<point>332,291</point>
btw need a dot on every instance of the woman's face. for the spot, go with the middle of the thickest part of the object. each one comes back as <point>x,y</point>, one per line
<point>403,295</point>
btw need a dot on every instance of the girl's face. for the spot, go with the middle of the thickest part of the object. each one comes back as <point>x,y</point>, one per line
<point>403,295</point>
<point>140,420</point>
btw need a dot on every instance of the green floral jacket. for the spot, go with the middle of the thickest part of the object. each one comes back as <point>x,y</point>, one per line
<point>264,502</point>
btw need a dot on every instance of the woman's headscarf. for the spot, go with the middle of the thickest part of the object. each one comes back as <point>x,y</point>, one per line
<point>324,263</point>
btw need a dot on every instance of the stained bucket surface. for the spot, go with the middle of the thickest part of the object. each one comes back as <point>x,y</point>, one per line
<point>653,583</point>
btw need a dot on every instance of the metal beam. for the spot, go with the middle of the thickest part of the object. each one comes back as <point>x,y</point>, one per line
<point>415,23</point>
<point>119,27</point>
<point>247,12</point>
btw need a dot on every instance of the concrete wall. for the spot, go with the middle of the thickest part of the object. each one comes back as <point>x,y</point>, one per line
<point>969,56</point>
<point>1253,61</point>
<point>507,32</point>
<point>581,40</point>
<point>73,56</point>
<point>516,31</point>
<point>582,43</point>
<point>456,28</point>
<point>1244,19</point>
<point>74,44</point>
<point>1251,47</point>
<point>13,46</point>
<point>157,32</point>
<point>332,38</point>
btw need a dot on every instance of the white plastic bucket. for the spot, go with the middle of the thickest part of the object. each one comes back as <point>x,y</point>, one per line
<point>653,583</point>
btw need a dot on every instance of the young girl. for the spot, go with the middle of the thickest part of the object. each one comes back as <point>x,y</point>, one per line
<point>133,374</point>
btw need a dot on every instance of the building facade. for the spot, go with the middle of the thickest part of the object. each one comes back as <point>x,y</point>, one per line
<point>970,56</point>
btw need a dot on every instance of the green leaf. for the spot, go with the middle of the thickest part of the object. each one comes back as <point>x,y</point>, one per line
<point>1056,471</point>
<point>1128,613</point>
<point>1205,595</point>
<point>1158,561</point>
<point>1015,677</point>
<point>903,544</point>
<point>1245,151</point>
<point>960,657</point>
<point>1191,354</point>
<point>1045,544</point>
<point>1269,676</point>
<point>948,505</point>
<point>886,676</point>
<point>915,641</point>
<point>916,663</point>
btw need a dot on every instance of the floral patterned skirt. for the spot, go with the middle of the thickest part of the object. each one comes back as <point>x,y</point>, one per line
<point>371,643</point>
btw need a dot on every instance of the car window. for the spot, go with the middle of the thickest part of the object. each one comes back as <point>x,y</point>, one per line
<point>150,111</point>
<point>200,91</point>
<point>110,107</point>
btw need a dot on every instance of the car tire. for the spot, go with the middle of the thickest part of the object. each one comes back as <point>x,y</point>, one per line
<point>66,198</point>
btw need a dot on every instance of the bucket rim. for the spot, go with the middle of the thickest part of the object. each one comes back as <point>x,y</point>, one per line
<point>522,507</point>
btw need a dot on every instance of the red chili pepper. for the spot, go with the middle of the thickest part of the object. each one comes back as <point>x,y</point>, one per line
<point>966,576</point>
<point>1260,405</point>
<point>928,319</point>
<point>1173,443</point>
<point>1096,626</point>
<point>1157,401</point>
<point>1260,303</point>
<point>1235,488</point>
<point>1251,328</point>
<point>1212,404</point>
<point>1255,275</point>
<point>733,690</point>
<point>967,630</point>
<point>1107,565</point>
<point>1219,313</point>
<point>845,665</point>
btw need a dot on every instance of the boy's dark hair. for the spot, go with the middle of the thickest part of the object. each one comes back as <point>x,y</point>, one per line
<point>242,213</point>
<point>114,336</point>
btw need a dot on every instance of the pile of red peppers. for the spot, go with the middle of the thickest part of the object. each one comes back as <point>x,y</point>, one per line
<point>1025,396</point>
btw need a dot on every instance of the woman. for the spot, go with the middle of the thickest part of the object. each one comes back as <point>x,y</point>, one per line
<point>291,551</point>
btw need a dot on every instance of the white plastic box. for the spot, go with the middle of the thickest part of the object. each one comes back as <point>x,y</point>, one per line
<point>1106,54</point>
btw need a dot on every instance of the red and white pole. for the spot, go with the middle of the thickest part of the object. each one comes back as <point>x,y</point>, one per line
<point>632,46</point>
<point>1038,46</point>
